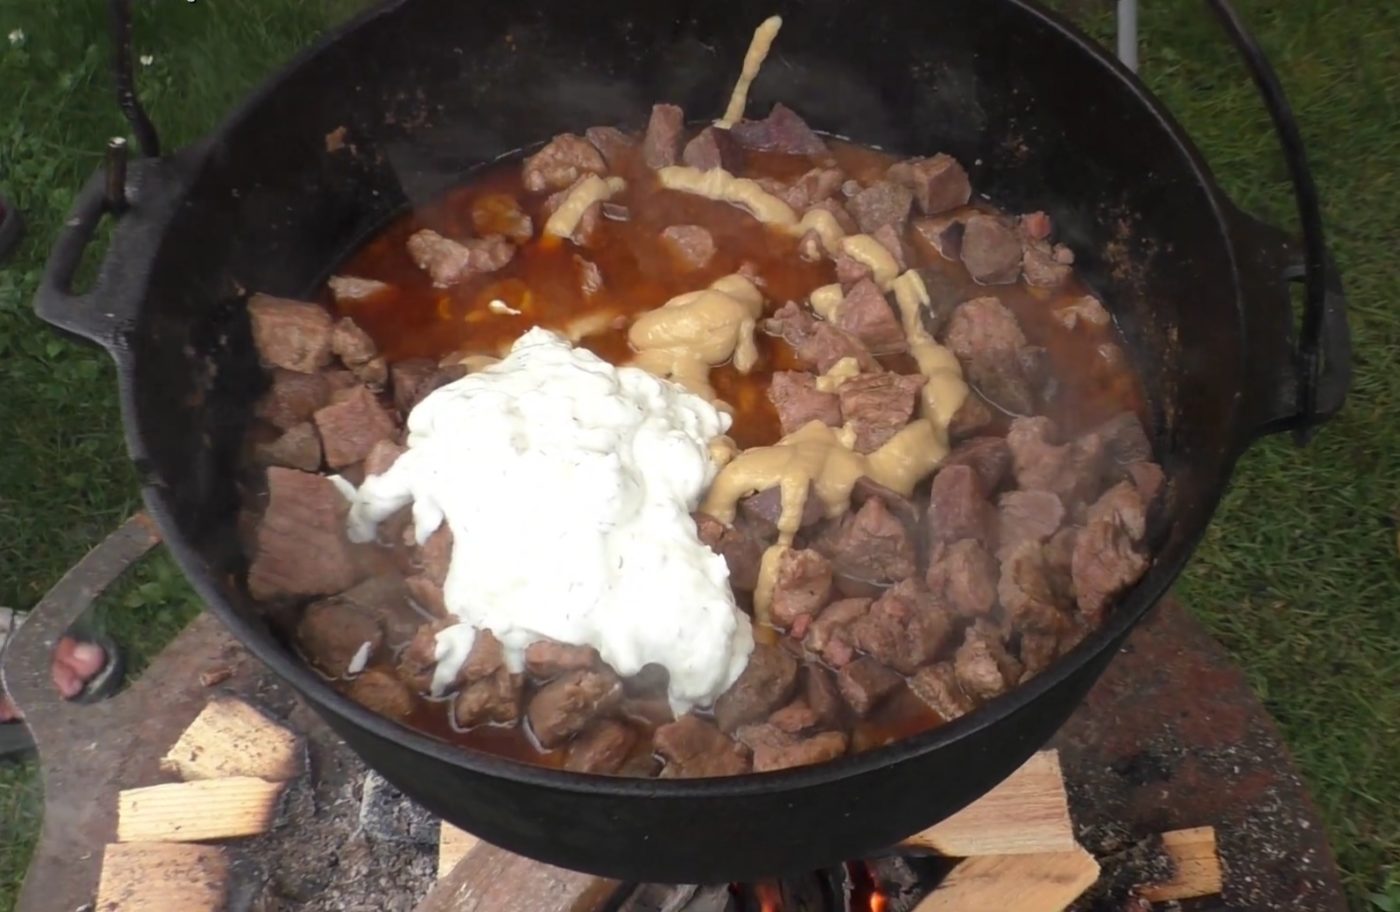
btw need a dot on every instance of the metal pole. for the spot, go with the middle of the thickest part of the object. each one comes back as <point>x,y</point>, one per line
<point>1128,33</point>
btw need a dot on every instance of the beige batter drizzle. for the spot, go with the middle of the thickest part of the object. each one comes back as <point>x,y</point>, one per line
<point>693,332</point>
<point>759,47</point>
<point>592,189</point>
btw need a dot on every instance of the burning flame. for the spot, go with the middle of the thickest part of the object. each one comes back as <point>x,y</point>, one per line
<point>878,902</point>
<point>770,899</point>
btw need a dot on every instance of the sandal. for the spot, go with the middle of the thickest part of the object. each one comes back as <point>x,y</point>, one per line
<point>10,228</point>
<point>15,738</point>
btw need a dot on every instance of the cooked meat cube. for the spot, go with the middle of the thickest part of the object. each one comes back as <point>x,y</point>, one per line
<point>351,425</point>
<point>490,700</point>
<point>882,203</point>
<point>781,131</point>
<point>983,666</point>
<point>711,148</point>
<point>878,406</point>
<point>865,683</point>
<point>661,146</point>
<point>803,586</point>
<point>742,552</point>
<point>290,334</point>
<point>1045,266</point>
<point>989,457</point>
<point>830,635</point>
<point>300,547</point>
<point>1024,516</point>
<point>338,636</point>
<point>590,277</point>
<point>695,749</point>
<point>546,659</point>
<point>427,595</point>
<point>819,693</point>
<point>795,396</point>
<point>965,575</point>
<point>382,457</point>
<point>1085,309</point>
<point>874,546</point>
<point>564,160</point>
<point>1074,471</point>
<point>387,597</point>
<point>352,290</point>
<point>419,658</point>
<point>435,555</point>
<point>890,239</point>
<point>899,506</point>
<point>767,682</point>
<point>904,628</point>
<point>1105,563</point>
<point>1027,592</point>
<point>939,183</point>
<point>850,270</point>
<point>1122,504</point>
<point>775,749</point>
<point>407,376</point>
<point>602,749</point>
<point>1038,650</point>
<point>611,142</point>
<point>565,706</point>
<point>500,213</point>
<point>379,690</point>
<point>351,344</point>
<point>1148,478</point>
<point>297,448</point>
<point>1058,555</point>
<point>763,509</point>
<point>991,250</point>
<point>690,245</point>
<point>937,686</point>
<point>292,398</point>
<point>973,417</point>
<point>1124,439</point>
<point>944,235</point>
<point>374,373</point>
<point>795,718</point>
<point>449,262</point>
<point>486,657</point>
<point>866,314</point>
<point>958,508</point>
<point>440,377</point>
<point>816,342</point>
<point>987,339</point>
<point>817,185</point>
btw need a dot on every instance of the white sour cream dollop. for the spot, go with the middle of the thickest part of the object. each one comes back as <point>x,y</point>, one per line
<point>568,484</point>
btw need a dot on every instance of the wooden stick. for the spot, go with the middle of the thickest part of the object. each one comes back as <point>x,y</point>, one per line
<point>197,811</point>
<point>488,879</point>
<point>1197,864</point>
<point>1028,813</point>
<point>231,738</point>
<point>158,877</point>
<point>1045,882</point>
<point>453,844</point>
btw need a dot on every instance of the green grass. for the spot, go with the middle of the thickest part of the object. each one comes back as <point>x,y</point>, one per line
<point>1299,575</point>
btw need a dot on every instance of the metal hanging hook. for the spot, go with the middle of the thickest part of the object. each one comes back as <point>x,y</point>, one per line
<point>119,24</point>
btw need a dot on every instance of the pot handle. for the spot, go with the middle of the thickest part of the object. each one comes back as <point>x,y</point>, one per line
<point>1299,387</point>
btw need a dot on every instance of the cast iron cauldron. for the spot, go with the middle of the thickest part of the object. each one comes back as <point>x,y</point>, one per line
<point>429,89</point>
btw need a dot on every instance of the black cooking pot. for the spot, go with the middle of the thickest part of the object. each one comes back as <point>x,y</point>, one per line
<point>428,90</point>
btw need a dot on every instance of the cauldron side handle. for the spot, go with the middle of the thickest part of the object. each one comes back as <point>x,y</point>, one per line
<point>1294,387</point>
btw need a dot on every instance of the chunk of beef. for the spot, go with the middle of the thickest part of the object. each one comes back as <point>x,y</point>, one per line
<point>1125,440</point>
<point>983,666</point>
<point>435,555</point>
<point>866,314</point>
<point>965,576</point>
<point>899,506</point>
<point>661,146</point>
<point>878,406</point>
<point>890,238</point>
<point>427,595</point>
<point>602,749</point>
<point>865,683</point>
<point>353,290</point>
<point>298,447</point>
<point>944,234</point>
<point>781,131</point>
<point>406,377</point>
<point>987,339</point>
<point>973,417</point>
<point>1148,478</point>
<point>449,262</point>
<point>803,585</point>
<point>387,598</point>
<point>565,706</point>
<point>795,718</point>
<point>1106,561</point>
<point>419,658</point>
<point>351,344</point>
<point>292,398</point>
<point>564,160</point>
<point>712,148</point>
<point>339,636</point>
<point>850,270</point>
<point>1024,516</point>
<point>1074,471</point>
<point>1122,504</point>
<point>382,457</point>
<point>820,695</point>
<point>610,142</point>
<point>816,342</point>
<point>1027,592</point>
<point>695,749</point>
<point>300,546</point>
<point>830,634</point>
<point>691,246</point>
<point>775,749</point>
<point>939,183</point>
<point>991,250</point>
<point>874,546</point>
<point>742,552</point>
<point>490,700</point>
<point>351,425</point>
<point>293,335</point>
<point>767,682</point>
<point>379,690</point>
<point>904,628</point>
<point>545,659</point>
<point>795,396</point>
<point>500,213</point>
<point>590,277</point>
<point>882,203</point>
<point>989,457</point>
<point>958,508</point>
<point>1045,266</point>
<point>1058,555</point>
<point>1085,310</point>
<point>937,686</point>
<point>815,186</point>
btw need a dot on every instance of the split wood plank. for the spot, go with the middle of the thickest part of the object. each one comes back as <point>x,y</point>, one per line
<point>453,844</point>
<point>231,738</point>
<point>1046,882</point>
<point>197,811</point>
<point>1197,863</point>
<point>1028,813</point>
<point>490,879</point>
<point>158,877</point>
